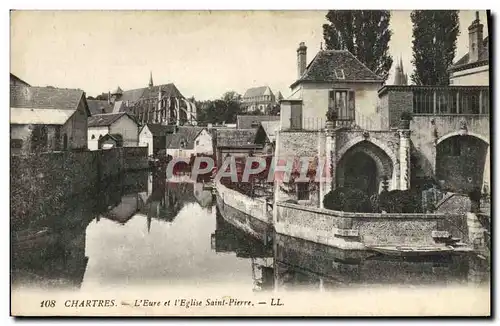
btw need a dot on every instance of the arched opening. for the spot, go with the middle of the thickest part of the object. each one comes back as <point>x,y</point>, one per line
<point>364,166</point>
<point>460,163</point>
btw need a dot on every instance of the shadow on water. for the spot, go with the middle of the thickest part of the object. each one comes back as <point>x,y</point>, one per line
<point>142,229</point>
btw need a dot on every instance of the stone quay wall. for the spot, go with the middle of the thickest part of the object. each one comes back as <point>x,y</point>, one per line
<point>42,183</point>
<point>358,231</point>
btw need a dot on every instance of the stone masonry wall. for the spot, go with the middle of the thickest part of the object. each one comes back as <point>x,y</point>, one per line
<point>41,183</point>
<point>355,230</point>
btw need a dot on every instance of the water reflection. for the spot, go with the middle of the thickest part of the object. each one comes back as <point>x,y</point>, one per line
<point>144,230</point>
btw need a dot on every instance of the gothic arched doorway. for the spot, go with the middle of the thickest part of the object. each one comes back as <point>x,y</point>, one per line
<point>364,166</point>
<point>460,163</point>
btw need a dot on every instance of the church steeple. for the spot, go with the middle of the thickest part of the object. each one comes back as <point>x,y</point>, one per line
<point>400,78</point>
<point>150,79</point>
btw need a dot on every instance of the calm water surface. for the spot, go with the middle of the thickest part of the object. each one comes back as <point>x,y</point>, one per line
<point>142,230</point>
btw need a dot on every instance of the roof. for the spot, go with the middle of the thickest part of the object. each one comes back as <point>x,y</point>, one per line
<point>118,138</point>
<point>45,97</point>
<point>246,121</point>
<point>25,116</point>
<point>132,96</point>
<point>257,91</point>
<point>185,136</point>
<point>160,130</point>
<point>463,62</point>
<point>337,66</point>
<point>107,119</point>
<point>270,127</point>
<point>97,106</point>
<point>17,81</point>
<point>235,137</point>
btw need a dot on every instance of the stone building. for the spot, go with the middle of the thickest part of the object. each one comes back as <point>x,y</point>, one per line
<point>162,104</point>
<point>186,141</point>
<point>47,119</point>
<point>472,69</point>
<point>258,98</point>
<point>112,123</point>
<point>369,146</point>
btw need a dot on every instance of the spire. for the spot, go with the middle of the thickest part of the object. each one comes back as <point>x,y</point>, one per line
<point>150,79</point>
<point>400,77</point>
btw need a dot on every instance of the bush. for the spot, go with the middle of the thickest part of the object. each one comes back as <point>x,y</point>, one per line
<point>400,201</point>
<point>347,200</point>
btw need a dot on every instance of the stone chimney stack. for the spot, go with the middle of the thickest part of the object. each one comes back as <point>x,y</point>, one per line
<point>475,39</point>
<point>301,59</point>
<point>109,97</point>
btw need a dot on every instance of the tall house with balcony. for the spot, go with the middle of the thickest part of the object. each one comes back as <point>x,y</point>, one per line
<point>369,146</point>
<point>334,78</point>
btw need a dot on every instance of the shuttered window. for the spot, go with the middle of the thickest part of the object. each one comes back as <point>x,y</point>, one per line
<point>344,102</point>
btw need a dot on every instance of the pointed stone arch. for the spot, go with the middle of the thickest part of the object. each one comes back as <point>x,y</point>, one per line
<point>375,153</point>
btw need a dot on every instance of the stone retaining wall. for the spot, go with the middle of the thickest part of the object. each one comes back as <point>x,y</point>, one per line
<point>356,231</point>
<point>41,183</point>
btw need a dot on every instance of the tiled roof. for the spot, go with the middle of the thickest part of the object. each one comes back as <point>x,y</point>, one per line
<point>483,56</point>
<point>97,106</point>
<point>257,91</point>
<point>270,127</point>
<point>102,120</point>
<point>235,137</point>
<point>45,98</point>
<point>246,121</point>
<point>336,66</point>
<point>130,97</point>
<point>17,81</point>
<point>185,136</point>
<point>160,130</point>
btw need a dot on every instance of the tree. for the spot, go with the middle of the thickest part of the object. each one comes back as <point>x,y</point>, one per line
<point>364,33</point>
<point>435,35</point>
<point>219,111</point>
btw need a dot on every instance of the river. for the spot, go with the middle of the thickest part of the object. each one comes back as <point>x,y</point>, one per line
<point>141,230</point>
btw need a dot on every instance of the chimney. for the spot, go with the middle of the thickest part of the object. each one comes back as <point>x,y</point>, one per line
<point>301,59</point>
<point>475,39</point>
<point>109,97</point>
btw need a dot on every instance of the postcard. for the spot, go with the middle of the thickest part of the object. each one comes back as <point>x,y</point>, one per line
<point>250,163</point>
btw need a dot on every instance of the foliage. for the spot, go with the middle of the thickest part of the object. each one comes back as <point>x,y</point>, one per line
<point>220,111</point>
<point>274,109</point>
<point>365,33</point>
<point>435,35</point>
<point>331,114</point>
<point>400,201</point>
<point>347,200</point>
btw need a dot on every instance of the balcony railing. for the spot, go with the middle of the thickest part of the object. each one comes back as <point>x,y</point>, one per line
<point>451,100</point>
<point>357,121</point>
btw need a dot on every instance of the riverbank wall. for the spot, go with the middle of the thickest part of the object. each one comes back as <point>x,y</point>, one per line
<point>346,230</point>
<point>40,184</point>
<point>252,215</point>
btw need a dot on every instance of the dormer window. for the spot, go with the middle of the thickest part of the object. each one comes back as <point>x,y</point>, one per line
<point>339,73</point>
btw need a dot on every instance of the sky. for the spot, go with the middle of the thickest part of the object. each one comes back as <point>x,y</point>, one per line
<point>204,53</point>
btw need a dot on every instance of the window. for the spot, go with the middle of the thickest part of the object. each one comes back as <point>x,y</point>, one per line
<point>197,142</point>
<point>344,102</point>
<point>303,192</point>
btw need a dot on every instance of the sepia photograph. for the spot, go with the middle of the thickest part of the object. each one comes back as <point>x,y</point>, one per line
<point>250,163</point>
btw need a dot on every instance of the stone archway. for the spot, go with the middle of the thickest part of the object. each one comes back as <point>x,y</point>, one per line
<point>461,162</point>
<point>364,166</point>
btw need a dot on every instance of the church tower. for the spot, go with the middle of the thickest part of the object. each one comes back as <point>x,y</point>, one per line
<point>150,79</point>
<point>400,77</point>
